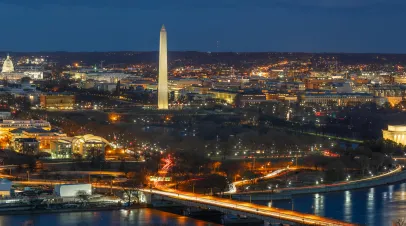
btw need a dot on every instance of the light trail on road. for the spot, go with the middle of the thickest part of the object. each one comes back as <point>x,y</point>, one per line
<point>273,174</point>
<point>280,191</point>
<point>246,207</point>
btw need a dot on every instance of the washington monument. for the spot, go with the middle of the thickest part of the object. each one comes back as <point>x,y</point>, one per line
<point>163,71</point>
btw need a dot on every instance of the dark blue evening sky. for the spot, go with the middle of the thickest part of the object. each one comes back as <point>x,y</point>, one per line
<point>237,25</point>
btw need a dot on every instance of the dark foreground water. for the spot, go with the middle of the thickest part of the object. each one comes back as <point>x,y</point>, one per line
<point>148,217</point>
<point>373,206</point>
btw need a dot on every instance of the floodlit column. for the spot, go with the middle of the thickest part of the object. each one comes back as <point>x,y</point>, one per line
<point>163,71</point>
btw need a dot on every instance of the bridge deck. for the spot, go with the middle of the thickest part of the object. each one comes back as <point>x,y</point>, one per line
<point>232,206</point>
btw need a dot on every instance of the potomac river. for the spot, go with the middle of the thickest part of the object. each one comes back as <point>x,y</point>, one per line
<point>377,206</point>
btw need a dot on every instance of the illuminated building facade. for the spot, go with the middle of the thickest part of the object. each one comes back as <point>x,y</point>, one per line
<point>61,148</point>
<point>28,146</point>
<point>57,101</point>
<point>8,66</point>
<point>396,133</point>
<point>340,99</point>
<point>391,94</point>
<point>8,125</point>
<point>45,137</point>
<point>64,147</point>
<point>227,96</point>
<point>83,144</point>
<point>163,71</point>
<point>400,79</point>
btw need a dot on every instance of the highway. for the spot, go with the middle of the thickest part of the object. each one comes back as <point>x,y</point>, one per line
<point>395,171</point>
<point>221,203</point>
<point>246,207</point>
<point>273,174</point>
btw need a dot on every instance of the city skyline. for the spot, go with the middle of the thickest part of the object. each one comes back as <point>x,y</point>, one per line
<point>280,26</point>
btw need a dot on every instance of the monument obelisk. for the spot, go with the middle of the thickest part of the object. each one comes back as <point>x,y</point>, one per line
<point>163,71</point>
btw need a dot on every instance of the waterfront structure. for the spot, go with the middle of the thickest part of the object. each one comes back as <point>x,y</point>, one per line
<point>163,71</point>
<point>395,133</point>
<point>71,190</point>
<point>50,101</point>
<point>8,66</point>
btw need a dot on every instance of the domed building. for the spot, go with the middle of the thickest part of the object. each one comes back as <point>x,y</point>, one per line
<point>8,66</point>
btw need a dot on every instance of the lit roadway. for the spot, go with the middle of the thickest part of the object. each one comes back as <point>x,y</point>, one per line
<point>221,203</point>
<point>273,174</point>
<point>397,170</point>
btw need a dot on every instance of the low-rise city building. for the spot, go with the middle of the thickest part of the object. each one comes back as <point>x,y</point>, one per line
<point>89,142</point>
<point>57,101</point>
<point>9,125</point>
<point>61,148</point>
<point>28,146</point>
<point>340,99</point>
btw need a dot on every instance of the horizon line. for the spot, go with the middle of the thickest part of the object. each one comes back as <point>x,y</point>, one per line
<point>197,51</point>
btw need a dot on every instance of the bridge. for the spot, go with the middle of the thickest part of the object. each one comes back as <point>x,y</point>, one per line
<point>228,206</point>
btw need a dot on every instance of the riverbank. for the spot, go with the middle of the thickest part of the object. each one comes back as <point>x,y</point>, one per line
<point>71,210</point>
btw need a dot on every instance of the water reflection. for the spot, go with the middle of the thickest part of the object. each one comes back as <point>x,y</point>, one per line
<point>319,204</point>
<point>104,218</point>
<point>372,206</point>
<point>347,206</point>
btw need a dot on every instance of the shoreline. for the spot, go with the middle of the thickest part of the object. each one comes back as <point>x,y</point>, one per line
<point>45,211</point>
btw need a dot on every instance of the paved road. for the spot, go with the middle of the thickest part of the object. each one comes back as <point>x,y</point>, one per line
<point>231,205</point>
<point>282,190</point>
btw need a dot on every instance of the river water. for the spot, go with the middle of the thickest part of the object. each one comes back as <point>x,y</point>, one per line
<point>377,206</point>
<point>144,216</point>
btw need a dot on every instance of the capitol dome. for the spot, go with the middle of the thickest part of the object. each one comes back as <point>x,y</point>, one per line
<point>8,65</point>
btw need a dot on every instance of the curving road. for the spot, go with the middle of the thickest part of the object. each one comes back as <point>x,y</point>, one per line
<point>339,184</point>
